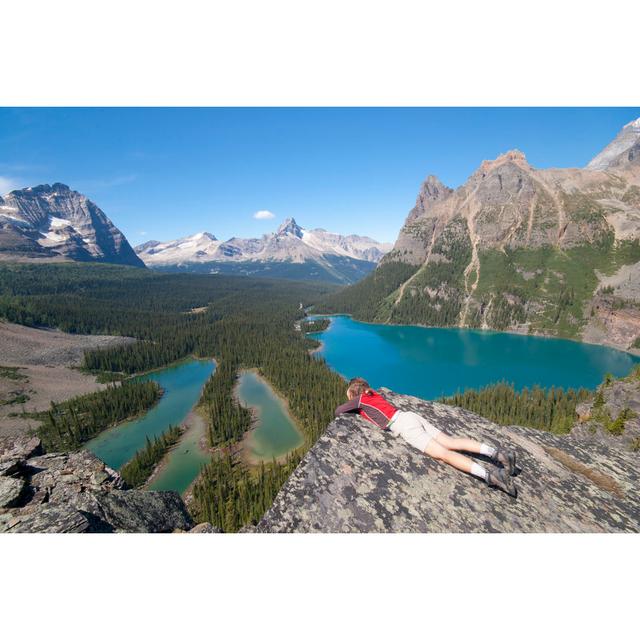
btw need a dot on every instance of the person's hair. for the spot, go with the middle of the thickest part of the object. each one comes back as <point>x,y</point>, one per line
<point>358,386</point>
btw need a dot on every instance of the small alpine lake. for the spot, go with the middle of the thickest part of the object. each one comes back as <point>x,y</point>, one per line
<point>275,433</point>
<point>431,362</point>
<point>182,385</point>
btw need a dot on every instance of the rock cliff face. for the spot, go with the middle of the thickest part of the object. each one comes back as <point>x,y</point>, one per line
<point>54,222</point>
<point>77,493</point>
<point>548,251</point>
<point>357,478</point>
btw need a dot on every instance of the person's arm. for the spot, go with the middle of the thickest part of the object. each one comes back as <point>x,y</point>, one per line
<point>352,405</point>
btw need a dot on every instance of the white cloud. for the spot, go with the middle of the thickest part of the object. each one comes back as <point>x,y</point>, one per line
<point>8,184</point>
<point>263,215</point>
<point>142,233</point>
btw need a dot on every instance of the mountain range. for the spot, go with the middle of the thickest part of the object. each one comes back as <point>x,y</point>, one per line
<point>544,251</point>
<point>55,223</point>
<point>291,251</point>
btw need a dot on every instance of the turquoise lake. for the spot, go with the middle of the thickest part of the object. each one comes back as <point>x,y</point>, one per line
<point>183,463</point>
<point>182,384</point>
<point>275,433</point>
<point>430,362</point>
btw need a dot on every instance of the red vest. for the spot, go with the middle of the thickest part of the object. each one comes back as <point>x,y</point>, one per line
<point>376,409</point>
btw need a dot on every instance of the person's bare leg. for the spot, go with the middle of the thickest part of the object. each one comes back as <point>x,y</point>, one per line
<point>458,444</point>
<point>505,457</point>
<point>455,459</point>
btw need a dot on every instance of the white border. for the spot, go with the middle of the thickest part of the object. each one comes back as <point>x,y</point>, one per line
<point>319,586</point>
<point>334,52</point>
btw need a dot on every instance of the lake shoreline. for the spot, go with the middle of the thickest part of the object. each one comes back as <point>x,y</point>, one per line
<point>318,349</point>
<point>244,445</point>
<point>512,332</point>
<point>169,365</point>
<point>432,362</point>
<point>142,413</point>
<point>192,422</point>
<point>182,383</point>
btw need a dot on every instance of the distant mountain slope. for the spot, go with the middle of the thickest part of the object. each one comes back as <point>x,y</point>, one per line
<point>55,223</point>
<point>550,251</point>
<point>290,252</point>
<point>621,150</point>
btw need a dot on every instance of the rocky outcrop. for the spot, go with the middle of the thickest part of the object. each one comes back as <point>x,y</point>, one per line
<point>357,478</point>
<point>78,493</point>
<point>612,417</point>
<point>53,222</point>
<point>205,527</point>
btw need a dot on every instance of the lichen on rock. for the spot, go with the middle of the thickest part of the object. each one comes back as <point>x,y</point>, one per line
<point>357,478</point>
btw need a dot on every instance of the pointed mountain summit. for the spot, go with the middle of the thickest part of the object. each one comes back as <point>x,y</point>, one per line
<point>56,223</point>
<point>205,235</point>
<point>431,191</point>
<point>198,246</point>
<point>289,227</point>
<point>624,149</point>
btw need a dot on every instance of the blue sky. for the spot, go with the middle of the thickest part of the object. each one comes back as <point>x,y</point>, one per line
<point>165,173</point>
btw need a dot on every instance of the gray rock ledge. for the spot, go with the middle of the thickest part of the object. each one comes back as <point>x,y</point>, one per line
<point>357,478</point>
<point>77,493</point>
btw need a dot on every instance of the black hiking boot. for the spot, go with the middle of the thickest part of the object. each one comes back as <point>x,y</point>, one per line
<point>507,459</point>
<point>500,479</point>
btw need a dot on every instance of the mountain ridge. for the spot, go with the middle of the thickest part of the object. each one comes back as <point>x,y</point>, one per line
<point>343,258</point>
<point>353,246</point>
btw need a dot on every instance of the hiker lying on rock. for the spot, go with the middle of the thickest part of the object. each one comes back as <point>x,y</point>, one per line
<point>420,433</point>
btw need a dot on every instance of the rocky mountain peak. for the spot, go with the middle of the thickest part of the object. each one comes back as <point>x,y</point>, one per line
<point>51,221</point>
<point>621,151</point>
<point>431,191</point>
<point>149,244</point>
<point>44,189</point>
<point>514,156</point>
<point>55,189</point>
<point>289,227</point>
<point>634,124</point>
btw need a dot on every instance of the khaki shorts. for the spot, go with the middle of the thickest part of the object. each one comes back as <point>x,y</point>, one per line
<point>415,429</point>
